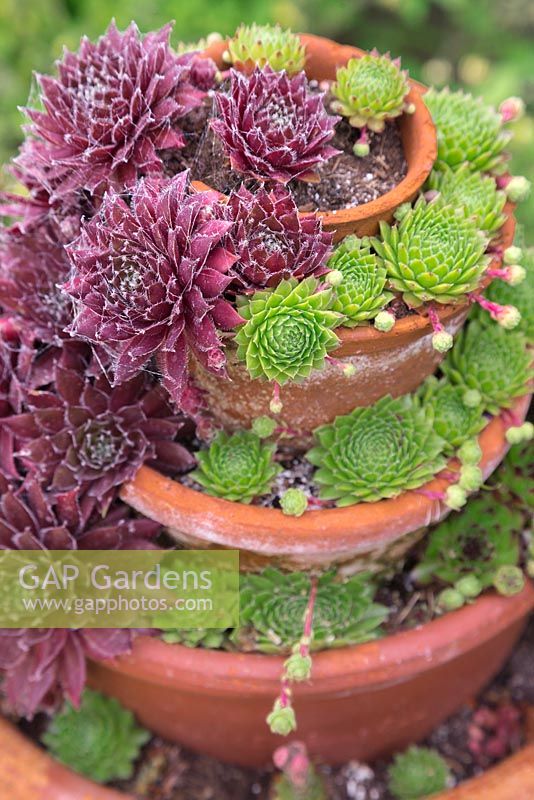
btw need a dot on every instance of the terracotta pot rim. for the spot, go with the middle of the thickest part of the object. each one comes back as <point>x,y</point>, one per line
<point>422,163</point>
<point>514,774</point>
<point>380,662</point>
<point>309,529</point>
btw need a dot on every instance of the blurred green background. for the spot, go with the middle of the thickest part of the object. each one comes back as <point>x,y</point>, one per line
<point>484,45</point>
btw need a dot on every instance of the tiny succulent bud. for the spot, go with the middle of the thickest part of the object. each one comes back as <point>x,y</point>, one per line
<point>349,370</point>
<point>509,580</point>
<point>442,341</point>
<point>294,502</point>
<point>517,189</point>
<point>515,274</point>
<point>455,497</point>
<point>470,452</point>
<point>264,427</point>
<point>276,405</point>
<point>298,667</point>
<point>508,317</point>
<point>361,149</point>
<point>282,720</point>
<point>384,321</point>
<point>513,108</point>
<point>417,773</point>
<point>450,599</point>
<point>472,398</point>
<point>469,586</point>
<point>512,255</point>
<point>471,478</point>
<point>520,433</point>
<point>334,277</point>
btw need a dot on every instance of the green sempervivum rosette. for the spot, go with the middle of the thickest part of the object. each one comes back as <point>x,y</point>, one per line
<point>493,361</point>
<point>477,194</point>
<point>237,467</point>
<point>370,90</point>
<point>418,773</point>
<point>434,253</point>
<point>376,452</point>
<point>266,44</point>
<point>288,330</point>
<point>273,606</point>
<point>454,420</point>
<point>521,296</point>
<point>468,131</point>
<point>100,740</point>
<point>361,294</point>
<point>477,541</point>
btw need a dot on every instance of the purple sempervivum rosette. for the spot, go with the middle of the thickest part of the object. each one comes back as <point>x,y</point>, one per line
<point>272,128</point>
<point>273,241</point>
<point>149,280</point>
<point>85,436</point>
<point>113,105</point>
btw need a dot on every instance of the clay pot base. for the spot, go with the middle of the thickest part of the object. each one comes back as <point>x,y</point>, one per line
<point>355,537</point>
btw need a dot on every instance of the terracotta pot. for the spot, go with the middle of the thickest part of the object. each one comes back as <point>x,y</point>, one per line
<point>386,363</point>
<point>28,773</point>
<point>363,702</point>
<point>417,131</point>
<point>365,535</point>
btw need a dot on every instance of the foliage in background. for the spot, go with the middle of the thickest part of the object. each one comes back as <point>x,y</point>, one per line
<point>481,45</point>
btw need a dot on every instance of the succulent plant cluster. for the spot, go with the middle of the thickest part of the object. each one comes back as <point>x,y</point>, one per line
<point>371,90</point>
<point>259,45</point>
<point>99,740</point>
<point>376,452</point>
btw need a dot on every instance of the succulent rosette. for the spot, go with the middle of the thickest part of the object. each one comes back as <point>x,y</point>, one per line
<point>84,435</point>
<point>273,605</point>
<point>370,90</point>
<point>494,362</point>
<point>259,45</point>
<point>41,666</point>
<point>454,421</point>
<point>113,105</point>
<point>100,739</point>
<point>434,253</point>
<point>417,773</point>
<point>468,130</point>
<point>237,467</point>
<point>479,540</point>
<point>361,295</point>
<point>288,332</point>
<point>148,280</point>
<point>32,267</point>
<point>376,452</point>
<point>272,240</point>
<point>272,127</point>
<point>477,194</point>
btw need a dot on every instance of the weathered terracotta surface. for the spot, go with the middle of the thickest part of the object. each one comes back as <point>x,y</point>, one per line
<point>386,363</point>
<point>362,702</point>
<point>417,131</point>
<point>353,536</point>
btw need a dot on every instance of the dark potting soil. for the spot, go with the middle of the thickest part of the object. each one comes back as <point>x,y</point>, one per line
<point>345,181</point>
<point>496,719</point>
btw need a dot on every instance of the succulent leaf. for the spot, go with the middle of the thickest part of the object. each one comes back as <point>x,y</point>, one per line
<point>288,331</point>
<point>273,605</point>
<point>272,127</point>
<point>237,467</point>
<point>370,90</point>
<point>376,452</point>
<point>477,541</point>
<point>361,294</point>
<point>433,254</point>
<point>493,361</point>
<point>469,131</point>
<point>454,421</point>
<point>477,194</point>
<point>418,773</point>
<point>266,44</point>
<point>100,740</point>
